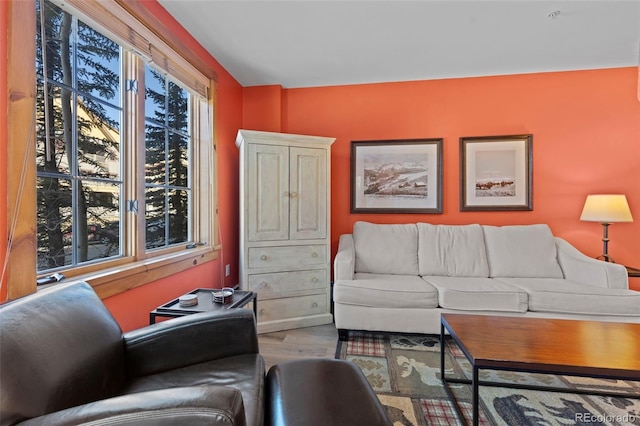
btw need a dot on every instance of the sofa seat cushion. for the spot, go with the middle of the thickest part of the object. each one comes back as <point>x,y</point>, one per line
<point>386,249</point>
<point>452,250</point>
<point>566,296</point>
<point>242,372</point>
<point>521,251</point>
<point>386,291</point>
<point>478,294</point>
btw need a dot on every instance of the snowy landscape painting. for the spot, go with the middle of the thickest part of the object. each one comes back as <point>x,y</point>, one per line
<point>496,173</point>
<point>391,176</point>
<point>395,175</point>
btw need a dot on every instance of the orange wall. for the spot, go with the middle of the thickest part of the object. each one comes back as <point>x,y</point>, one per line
<point>262,108</point>
<point>586,139</point>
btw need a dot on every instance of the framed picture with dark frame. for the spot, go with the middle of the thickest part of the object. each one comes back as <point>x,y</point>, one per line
<point>496,173</point>
<point>396,176</point>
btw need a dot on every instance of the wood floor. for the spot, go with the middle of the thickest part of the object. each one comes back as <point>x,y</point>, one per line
<point>309,342</point>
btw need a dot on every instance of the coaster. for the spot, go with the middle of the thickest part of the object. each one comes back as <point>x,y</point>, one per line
<point>223,296</point>
<point>188,300</point>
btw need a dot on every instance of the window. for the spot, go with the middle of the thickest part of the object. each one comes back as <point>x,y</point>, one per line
<point>168,147</point>
<point>79,119</point>
<point>123,149</point>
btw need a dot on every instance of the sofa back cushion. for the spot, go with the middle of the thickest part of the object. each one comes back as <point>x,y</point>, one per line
<point>521,251</point>
<point>59,347</point>
<point>386,249</point>
<point>452,251</point>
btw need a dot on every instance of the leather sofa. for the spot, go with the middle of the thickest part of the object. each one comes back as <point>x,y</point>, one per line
<point>401,277</point>
<point>65,361</point>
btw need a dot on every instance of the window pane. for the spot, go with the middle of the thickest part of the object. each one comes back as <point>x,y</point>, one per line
<point>98,139</point>
<point>154,104</point>
<point>178,118</point>
<point>58,162</point>
<point>98,65</point>
<point>59,43</point>
<point>155,155</point>
<point>178,160</point>
<point>54,222</point>
<point>178,216</point>
<point>155,200</point>
<point>102,219</point>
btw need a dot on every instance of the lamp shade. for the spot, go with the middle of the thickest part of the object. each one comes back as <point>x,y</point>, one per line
<point>606,208</point>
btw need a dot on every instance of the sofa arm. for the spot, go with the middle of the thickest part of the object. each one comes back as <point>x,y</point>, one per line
<point>345,261</point>
<point>194,405</point>
<point>189,340</point>
<point>579,267</point>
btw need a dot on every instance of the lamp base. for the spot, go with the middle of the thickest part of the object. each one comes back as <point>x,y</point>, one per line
<point>605,244</point>
<point>606,258</point>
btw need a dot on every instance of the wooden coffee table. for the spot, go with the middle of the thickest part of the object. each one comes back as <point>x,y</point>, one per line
<point>535,345</point>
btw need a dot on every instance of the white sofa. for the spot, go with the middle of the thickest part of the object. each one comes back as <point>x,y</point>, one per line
<point>401,277</point>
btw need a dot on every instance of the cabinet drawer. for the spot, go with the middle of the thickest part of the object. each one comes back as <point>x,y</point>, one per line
<point>287,256</point>
<point>293,283</point>
<point>291,307</point>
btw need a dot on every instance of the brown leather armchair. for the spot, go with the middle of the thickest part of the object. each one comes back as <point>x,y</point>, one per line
<point>64,361</point>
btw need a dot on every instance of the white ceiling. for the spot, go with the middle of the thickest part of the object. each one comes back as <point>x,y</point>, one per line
<point>319,43</point>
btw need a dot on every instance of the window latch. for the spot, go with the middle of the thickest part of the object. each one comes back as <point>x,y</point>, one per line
<point>132,206</point>
<point>53,278</point>
<point>132,86</point>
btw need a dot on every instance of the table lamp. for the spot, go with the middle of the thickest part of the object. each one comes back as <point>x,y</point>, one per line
<point>606,209</point>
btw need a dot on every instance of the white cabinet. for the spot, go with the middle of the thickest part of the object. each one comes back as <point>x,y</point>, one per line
<point>284,227</point>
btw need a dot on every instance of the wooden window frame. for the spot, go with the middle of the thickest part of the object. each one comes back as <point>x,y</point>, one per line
<point>137,267</point>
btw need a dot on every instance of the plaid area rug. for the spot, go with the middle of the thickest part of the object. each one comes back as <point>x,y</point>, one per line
<point>404,371</point>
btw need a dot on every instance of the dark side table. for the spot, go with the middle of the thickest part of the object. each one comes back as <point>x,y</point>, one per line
<point>173,309</point>
<point>633,272</point>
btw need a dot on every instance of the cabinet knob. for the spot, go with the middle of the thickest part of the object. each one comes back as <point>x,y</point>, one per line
<point>314,305</point>
<point>263,257</point>
<point>261,312</point>
<point>263,285</point>
<point>314,254</point>
<point>294,194</point>
<point>286,193</point>
<point>314,280</point>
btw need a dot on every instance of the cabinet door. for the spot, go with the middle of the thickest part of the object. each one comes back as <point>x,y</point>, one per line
<point>308,188</point>
<point>267,202</point>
